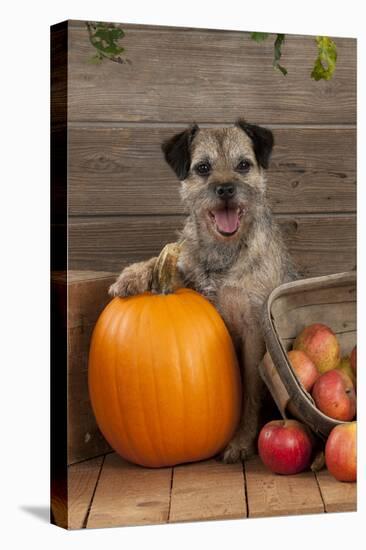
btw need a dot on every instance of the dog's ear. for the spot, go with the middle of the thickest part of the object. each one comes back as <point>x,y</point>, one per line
<point>177,151</point>
<point>262,140</point>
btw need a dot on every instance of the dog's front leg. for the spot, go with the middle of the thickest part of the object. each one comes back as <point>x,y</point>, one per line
<point>243,444</point>
<point>134,279</point>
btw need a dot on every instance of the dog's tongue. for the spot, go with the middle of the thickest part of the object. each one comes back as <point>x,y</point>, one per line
<point>227,219</point>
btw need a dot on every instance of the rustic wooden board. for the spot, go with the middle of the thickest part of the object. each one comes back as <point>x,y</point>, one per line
<point>121,171</point>
<point>87,296</point>
<point>337,496</point>
<point>82,480</point>
<point>275,495</point>
<point>320,244</point>
<point>208,76</point>
<point>207,490</point>
<point>84,440</point>
<point>130,495</point>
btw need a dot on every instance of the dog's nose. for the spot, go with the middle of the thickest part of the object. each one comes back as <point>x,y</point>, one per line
<point>225,191</point>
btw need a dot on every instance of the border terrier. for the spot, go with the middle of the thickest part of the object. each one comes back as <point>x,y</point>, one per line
<point>233,251</point>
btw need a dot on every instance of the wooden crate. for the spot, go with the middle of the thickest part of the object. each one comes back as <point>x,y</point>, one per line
<point>86,297</point>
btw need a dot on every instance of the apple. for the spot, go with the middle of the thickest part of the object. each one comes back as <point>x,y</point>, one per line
<point>320,344</point>
<point>285,446</point>
<point>345,366</point>
<point>304,368</point>
<point>353,359</point>
<point>341,452</point>
<point>335,396</point>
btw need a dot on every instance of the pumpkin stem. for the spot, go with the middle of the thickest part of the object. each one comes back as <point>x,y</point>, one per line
<point>166,278</point>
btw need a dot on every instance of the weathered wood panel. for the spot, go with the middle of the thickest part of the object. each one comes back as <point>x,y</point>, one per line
<point>87,296</point>
<point>275,495</point>
<point>82,480</point>
<point>337,496</point>
<point>208,76</point>
<point>130,495</point>
<point>320,244</point>
<point>207,490</point>
<point>122,171</point>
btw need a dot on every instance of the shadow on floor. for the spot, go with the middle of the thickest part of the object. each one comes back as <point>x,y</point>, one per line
<point>41,512</point>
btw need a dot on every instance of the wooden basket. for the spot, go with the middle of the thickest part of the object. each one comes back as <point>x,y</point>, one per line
<point>289,308</point>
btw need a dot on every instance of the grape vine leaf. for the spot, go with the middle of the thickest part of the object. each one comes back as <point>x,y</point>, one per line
<point>259,36</point>
<point>104,37</point>
<point>325,63</point>
<point>278,53</point>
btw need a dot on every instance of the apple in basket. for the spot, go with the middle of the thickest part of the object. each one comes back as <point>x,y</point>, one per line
<point>335,396</point>
<point>304,368</point>
<point>320,344</point>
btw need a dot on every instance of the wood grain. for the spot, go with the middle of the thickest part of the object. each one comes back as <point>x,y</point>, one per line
<point>207,490</point>
<point>82,480</point>
<point>84,440</point>
<point>320,245</point>
<point>341,317</point>
<point>286,303</point>
<point>337,495</point>
<point>275,495</point>
<point>87,296</point>
<point>121,171</point>
<point>130,495</point>
<point>208,76</point>
<point>86,299</point>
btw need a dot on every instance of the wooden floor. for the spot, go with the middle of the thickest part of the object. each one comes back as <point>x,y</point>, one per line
<point>107,491</point>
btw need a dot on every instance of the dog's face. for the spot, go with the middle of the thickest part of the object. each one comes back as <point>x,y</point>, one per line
<point>221,170</point>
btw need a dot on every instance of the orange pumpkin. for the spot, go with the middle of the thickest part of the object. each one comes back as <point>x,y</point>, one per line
<point>163,378</point>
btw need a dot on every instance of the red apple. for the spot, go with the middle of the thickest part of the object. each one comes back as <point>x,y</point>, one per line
<point>341,452</point>
<point>320,344</point>
<point>304,368</point>
<point>335,396</point>
<point>353,359</point>
<point>285,446</point>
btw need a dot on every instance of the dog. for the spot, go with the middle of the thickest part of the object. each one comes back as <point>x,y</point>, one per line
<point>233,251</point>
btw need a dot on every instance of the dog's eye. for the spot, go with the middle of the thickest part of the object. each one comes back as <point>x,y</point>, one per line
<point>243,166</point>
<point>203,168</point>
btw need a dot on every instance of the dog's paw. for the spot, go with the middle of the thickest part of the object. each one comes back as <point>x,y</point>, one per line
<point>133,280</point>
<point>239,448</point>
<point>122,288</point>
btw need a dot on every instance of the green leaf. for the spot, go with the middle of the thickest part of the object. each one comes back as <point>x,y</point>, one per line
<point>116,34</point>
<point>103,34</point>
<point>113,50</point>
<point>259,36</point>
<point>325,63</point>
<point>278,53</point>
<point>282,69</point>
<point>105,39</point>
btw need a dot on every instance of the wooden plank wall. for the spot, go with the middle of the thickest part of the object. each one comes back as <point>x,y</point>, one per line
<point>124,201</point>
